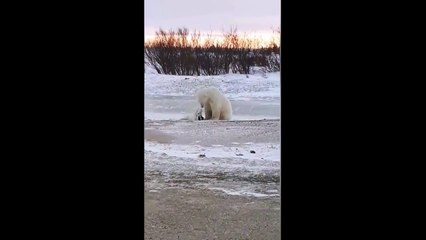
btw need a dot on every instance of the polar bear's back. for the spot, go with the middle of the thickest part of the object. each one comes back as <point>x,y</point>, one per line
<point>210,94</point>
<point>209,91</point>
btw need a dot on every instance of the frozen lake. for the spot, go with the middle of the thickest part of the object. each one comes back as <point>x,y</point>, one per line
<point>176,107</point>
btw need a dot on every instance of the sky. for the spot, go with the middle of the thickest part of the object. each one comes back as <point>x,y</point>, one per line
<point>258,17</point>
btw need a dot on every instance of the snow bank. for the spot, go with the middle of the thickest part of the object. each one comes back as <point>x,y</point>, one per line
<point>234,86</point>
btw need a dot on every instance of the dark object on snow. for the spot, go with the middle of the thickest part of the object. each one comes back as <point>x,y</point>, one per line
<point>252,151</point>
<point>239,154</point>
<point>202,155</point>
<point>199,114</point>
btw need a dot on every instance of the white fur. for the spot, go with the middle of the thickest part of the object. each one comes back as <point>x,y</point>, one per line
<point>216,105</point>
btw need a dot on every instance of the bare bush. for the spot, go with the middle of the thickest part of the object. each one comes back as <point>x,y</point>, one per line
<point>181,53</point>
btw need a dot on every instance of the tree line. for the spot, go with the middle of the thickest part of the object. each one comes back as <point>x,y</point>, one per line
<point>183,53</point>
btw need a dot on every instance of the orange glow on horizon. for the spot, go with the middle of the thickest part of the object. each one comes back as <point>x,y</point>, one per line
<point>263,38</point>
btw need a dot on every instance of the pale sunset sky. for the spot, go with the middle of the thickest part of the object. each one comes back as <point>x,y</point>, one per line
<point>256,18</point>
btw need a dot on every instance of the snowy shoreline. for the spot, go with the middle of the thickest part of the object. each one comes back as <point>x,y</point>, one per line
<point>234,86</point>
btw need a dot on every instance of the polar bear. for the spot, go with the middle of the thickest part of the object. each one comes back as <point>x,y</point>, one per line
<point>216,105</point>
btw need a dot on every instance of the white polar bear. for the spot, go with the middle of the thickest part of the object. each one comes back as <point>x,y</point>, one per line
<point>216,105</point>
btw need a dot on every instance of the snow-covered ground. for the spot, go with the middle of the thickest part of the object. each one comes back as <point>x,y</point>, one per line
<point>238,157</point>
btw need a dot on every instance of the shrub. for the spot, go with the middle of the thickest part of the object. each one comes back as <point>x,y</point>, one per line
<point>181,53</point>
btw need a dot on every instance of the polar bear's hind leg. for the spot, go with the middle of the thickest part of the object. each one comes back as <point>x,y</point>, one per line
<point>224,116</point>
<point>216,112</point>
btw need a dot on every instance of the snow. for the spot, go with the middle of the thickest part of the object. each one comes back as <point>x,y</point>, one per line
<point>240,192</point>
<point>179,116</point>
<point>264,152</point>
<point>176,161</point>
